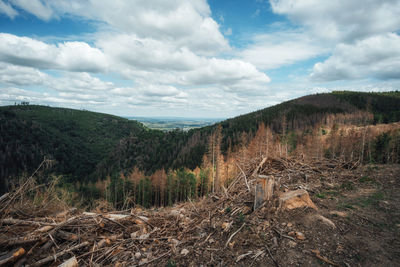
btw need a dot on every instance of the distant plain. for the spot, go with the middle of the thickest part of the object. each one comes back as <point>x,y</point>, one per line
<point>171,123</point>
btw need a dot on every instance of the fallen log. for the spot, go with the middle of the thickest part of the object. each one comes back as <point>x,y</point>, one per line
<point>19,240</point>
<point>24,222</point>
<point>59,254</point>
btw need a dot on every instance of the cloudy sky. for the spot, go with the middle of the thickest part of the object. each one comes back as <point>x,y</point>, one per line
<point>197,58</point>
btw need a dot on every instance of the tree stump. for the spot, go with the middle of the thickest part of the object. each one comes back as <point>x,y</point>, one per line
<point>264,190</point>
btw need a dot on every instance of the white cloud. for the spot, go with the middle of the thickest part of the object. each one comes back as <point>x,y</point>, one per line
<point>38,8</point>
<point>188,23</point>
<point>72,56</point>
<point>21,76</point>
<point>224,72</point>
<point>169,51</point>
<point>148,54</point>
<point>377,57</point>
<point>7,9</point>
<point>343,20</point>
<point>78,82</point>
<point>269,51</point>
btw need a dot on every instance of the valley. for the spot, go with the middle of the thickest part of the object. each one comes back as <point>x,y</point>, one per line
<point>173,123</point>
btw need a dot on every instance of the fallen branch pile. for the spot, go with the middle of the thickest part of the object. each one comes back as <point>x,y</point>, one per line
<point>221,229</point>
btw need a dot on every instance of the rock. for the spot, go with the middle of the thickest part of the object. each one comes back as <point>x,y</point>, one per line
<point>138,255</point>
<point>300,236</point>
<point>184,252</point>
<point>295,199</point>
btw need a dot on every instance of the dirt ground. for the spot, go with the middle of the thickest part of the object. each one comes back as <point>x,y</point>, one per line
<point>363,206</point>
<point>357,224</point>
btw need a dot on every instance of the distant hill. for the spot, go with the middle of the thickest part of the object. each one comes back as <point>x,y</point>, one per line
<point>77,140</point>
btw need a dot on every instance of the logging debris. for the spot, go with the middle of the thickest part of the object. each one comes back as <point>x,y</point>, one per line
<point>286,228</point>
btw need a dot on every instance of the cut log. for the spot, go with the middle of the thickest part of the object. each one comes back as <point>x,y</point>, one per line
<point>72,262</point>
<point>296,199</point>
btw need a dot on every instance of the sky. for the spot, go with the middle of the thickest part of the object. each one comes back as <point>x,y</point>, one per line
<point>197,58</point>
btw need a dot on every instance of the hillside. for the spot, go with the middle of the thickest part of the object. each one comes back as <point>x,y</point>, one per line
<point>89,147</point>
<point>77,140</point>
<point>298,114</point>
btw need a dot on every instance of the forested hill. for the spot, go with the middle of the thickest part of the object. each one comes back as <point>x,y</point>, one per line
<point>77,140</point>
<point>176,149</point>
<point>89,146</point>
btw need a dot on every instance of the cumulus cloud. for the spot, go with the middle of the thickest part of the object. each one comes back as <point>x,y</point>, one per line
<point>148,54</point>
<point>224,72</point>
<point>72,56</point>
<point>21,76</point>
<point>270,51</point>
<point>188,23</point>
<point>377,56</point>
<point>168,50</point>
<point>79,82</point>
<point>343,20</point>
